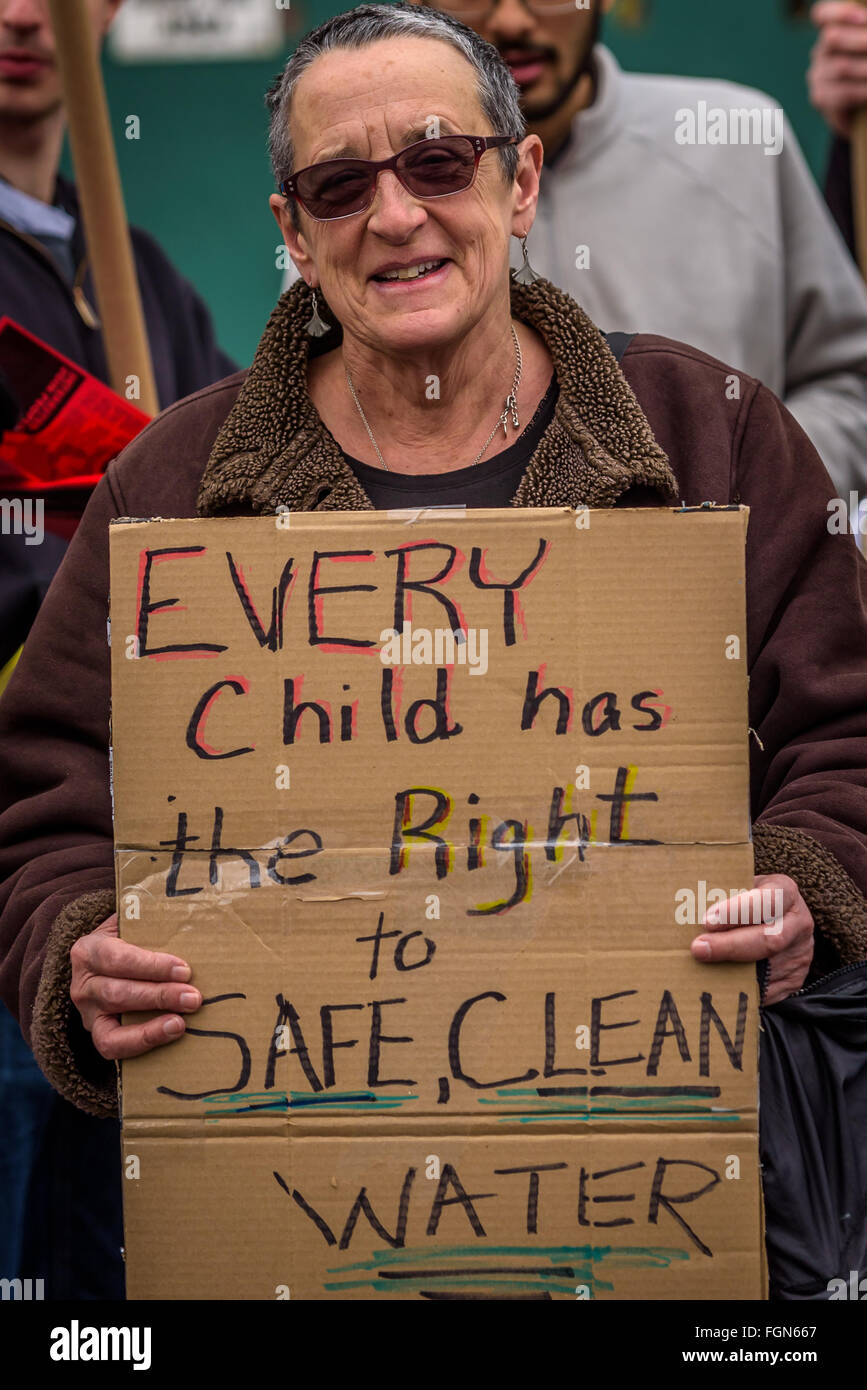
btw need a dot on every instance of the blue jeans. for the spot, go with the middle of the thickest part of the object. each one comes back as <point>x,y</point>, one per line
<point>60,1184</point>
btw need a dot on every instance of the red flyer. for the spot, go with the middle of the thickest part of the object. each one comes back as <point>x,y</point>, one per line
<point>71,425</point>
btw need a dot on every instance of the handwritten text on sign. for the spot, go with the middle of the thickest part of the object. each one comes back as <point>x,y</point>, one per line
<point>417,805</point>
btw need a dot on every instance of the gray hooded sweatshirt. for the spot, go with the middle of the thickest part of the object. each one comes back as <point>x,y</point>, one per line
<point>722,246</point>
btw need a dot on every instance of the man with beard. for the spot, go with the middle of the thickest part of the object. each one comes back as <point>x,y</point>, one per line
<point>659,215</point>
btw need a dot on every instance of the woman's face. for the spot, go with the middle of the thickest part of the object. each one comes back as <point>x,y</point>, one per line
<point>369,103</point>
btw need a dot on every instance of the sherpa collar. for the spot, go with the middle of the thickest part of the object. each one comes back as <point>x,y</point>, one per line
<point>274,449</point>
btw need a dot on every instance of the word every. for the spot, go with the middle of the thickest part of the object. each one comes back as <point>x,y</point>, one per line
<point>399,586</point>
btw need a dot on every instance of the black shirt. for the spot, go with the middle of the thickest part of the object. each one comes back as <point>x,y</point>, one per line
<point>491,483</point>
<point>838,189</point>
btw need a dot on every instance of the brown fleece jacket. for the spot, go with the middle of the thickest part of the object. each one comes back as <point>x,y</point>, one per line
<point>669,426</point>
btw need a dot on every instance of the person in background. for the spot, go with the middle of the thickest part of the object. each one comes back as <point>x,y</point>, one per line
<point>837,83</point>
<point>45,281</point>
<point>60,1209</point>
<point>727,247</point>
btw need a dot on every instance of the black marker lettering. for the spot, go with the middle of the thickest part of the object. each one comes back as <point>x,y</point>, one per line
<point>403,830</point>
<point>455,1047</point>
<point>196,728</point>
<point>449,1178</point>
<point>316,636</point>
<point>280,854</point>
<point>377,1038</point>
<point>404,585</point>
<point>246,1062</point>
<point>667,1011</point>
<point>145,607</point>
<point>272,640</point>
<point>328,1043</point>
<point>533,698</point>
<point>734,1049</point>
<point>669,1202</point>
<point>287,1016</point>
<point>533,1193</point>
<point>597,1027</point>
<point>362,1204</point>
<point>478,559</point>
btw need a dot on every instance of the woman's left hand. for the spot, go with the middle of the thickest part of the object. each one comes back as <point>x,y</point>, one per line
<point>785,935</point>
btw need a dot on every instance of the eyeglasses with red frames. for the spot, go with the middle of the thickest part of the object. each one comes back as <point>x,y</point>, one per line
<point>427,169</point>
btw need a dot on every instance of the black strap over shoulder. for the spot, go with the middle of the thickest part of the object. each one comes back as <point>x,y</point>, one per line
<point>618,343</point>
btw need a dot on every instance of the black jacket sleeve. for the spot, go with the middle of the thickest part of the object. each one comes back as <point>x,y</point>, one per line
<point>838,189</point>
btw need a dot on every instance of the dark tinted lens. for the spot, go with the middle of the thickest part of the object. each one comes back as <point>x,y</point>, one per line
<point>435,167</point>
<point>335,188</point>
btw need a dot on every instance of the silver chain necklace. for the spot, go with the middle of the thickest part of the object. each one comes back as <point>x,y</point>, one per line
<point>510,408</point>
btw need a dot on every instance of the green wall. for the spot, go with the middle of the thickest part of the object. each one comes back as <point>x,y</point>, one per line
<point>198,177</point>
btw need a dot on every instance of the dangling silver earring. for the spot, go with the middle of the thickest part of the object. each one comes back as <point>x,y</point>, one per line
<point>526,275</point>
<point>316,327</point>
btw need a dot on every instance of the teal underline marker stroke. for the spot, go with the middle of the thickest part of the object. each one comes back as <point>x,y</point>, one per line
<point>667,1091</point>
<point>605,1106</point>
<point>255,1103</point>
<point>609,1115</point>
<point>581,1258</point>
<point>626,1256</point>
<point>517,1285</point>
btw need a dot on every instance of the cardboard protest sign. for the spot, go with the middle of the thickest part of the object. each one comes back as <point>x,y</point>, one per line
<point>433,805</point>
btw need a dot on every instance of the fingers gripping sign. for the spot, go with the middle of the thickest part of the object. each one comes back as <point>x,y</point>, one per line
<point>771,921</point>
<point>111,977</point>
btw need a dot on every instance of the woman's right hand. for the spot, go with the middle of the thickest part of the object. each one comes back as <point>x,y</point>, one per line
<point>110,977</point>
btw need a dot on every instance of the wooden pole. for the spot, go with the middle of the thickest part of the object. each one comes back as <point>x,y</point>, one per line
<point>98,181</point>
<point>859,183</point>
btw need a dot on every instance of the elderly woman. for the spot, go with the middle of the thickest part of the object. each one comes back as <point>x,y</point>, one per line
<point>405,367</point>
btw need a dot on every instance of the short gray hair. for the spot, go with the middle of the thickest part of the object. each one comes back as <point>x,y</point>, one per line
<point>496,89</point>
